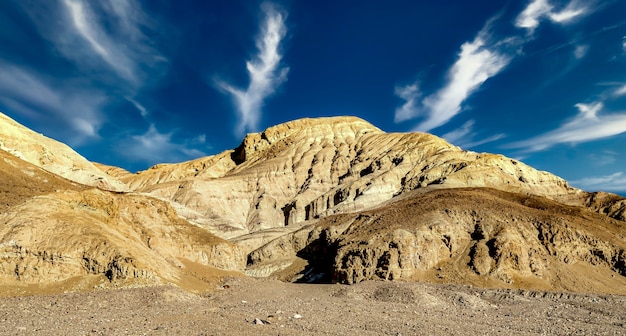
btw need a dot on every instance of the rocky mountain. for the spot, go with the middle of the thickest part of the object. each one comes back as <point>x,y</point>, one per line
<point>312,168</point>
<point>329,199</point>
<point>53,156</point>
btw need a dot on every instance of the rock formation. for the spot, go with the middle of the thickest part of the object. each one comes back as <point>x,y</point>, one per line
<point>312,168</point>
<point>53,156</point>
<point>474,236</point>
<point>54,230</point>
<point>333,199</point>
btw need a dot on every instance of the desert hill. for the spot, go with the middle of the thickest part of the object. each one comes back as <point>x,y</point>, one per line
<point>53,156</point>
<point>311,168</point>
<point>331,199</point>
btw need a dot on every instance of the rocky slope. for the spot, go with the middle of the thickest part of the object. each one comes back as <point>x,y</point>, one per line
<point>66,234</point>
<point>53,156</point>
<point>55,231</point>
<point>329,199</point>
<point>312,168</point>
<point>473,236</point>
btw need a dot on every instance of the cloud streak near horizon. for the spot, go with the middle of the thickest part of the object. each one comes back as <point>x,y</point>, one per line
<point>154,146</point>
<point>614,182</point>
<point>104,42</point>
<point>48,101</point>
<point>587,126</point>
<point>265,72</point>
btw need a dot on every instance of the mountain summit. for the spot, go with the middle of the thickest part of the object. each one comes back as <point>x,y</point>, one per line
<point>328,199</point>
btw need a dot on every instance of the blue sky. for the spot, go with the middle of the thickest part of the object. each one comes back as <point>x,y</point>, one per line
<point>132,83</point>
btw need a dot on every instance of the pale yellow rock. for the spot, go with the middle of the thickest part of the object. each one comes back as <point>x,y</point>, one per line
<point>311,168</point>
<point>336,196</point>
<point>67,234</point>
<point>53,156</point>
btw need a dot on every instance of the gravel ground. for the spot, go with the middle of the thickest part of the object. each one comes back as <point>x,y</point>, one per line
<point>369,308</point>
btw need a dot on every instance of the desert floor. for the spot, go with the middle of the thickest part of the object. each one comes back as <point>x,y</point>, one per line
<point>368,308</point>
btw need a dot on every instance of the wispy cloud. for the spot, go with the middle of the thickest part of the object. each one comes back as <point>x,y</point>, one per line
<point>265,71</point>
<point>464,136</point>
<point>50,101</point>
<point>529,17</point>
<point>142,110</point>
<point>102,40</point>
<point>537,10</point>
<point>581,51</point>
<point>410,109</point>
<point>615,182</point>
<point>603,158</point>
<point>573,10</point>
<point>478,61</point>
<point>621,91</point>
<point>111,30</point>
<point>153,146</point>
<point>587,126</point>
<point>113,43</point>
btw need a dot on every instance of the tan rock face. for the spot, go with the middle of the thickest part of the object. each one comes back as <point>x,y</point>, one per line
<point>312,168</point>
<point>66,234</point>
<point>52,156</point>
<point>481,236</point>
<point>53,229</point>
<point>330,198</point>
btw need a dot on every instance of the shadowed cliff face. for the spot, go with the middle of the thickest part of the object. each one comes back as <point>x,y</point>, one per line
<point>329,199</point>
<point>483,237</point>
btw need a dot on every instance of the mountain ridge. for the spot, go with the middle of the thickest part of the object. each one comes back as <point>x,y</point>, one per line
<point>307,200</point>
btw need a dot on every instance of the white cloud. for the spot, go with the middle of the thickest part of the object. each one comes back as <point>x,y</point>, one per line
<point>587,126</point>
<point>86,25</point>
<point>621,91</point>
<point>35,96</point>
<point>530,18</point>
<point>265,71</point>
<point>105,42</point>
<point>105,39</point>
<point>478,61</point>
<point>464,136</point>
<point>142,110</point>
<point>573,10</point>
<point>624,43</point>
<point>581,51</point>
<point>460,133</point>
<point>409,110</point>
<point>615,182</point>
<point>155,147</point>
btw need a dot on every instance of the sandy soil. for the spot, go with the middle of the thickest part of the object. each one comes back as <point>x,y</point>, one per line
<point>369,308</point>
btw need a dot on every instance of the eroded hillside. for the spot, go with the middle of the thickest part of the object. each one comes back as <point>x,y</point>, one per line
<point>329,199</point>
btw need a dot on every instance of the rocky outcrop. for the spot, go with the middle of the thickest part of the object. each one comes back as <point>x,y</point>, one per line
<point>312,168</point>
<point>69,234</point>
<point>479,236</point>
<point>611,205</point>
<point>332,199</point>
<point>52,156</point>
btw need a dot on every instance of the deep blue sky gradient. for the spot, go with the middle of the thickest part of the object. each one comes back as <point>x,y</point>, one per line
<point>343,58</point>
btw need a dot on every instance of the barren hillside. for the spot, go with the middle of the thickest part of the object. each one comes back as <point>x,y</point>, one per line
<point>329,199</point>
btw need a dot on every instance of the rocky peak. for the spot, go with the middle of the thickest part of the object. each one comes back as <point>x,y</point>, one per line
<point>256,144</point>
